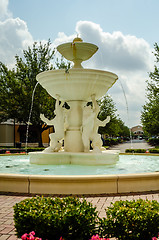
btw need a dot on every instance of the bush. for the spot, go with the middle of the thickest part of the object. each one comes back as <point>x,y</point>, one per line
<point>153,141</point>
<point>151,150</point>
<point>132,220</point>
<point>135,150</point>
<point>154,150</point>
<point>111,141</point>
<point>51,218</point>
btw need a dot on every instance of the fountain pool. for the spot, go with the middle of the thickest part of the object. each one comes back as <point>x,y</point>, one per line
<point>131,173</point>
<point>127,164</point>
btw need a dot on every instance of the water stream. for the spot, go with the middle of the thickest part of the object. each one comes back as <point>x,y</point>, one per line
<point>31,108</point>
<point>127,110</point>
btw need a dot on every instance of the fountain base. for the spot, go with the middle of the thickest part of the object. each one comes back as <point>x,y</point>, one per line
<point>61,158</point>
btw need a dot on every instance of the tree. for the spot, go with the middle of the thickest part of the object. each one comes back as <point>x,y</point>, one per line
<point>150,113</point>
<point>116,126</point>
<point>17,85</point>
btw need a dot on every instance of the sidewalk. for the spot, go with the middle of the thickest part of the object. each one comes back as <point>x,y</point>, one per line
<point>7,230</point>
<point>135,144</point>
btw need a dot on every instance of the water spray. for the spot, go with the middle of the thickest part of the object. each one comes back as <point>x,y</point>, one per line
<point>31,108</point>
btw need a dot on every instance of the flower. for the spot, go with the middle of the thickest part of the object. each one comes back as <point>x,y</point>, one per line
<point>24,236</point>
<point>96,237</point>
<point>30,236</point>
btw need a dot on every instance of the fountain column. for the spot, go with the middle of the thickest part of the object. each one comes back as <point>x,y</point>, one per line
<point>73,135</point>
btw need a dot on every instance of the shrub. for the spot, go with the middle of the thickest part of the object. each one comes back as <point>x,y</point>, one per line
<point>132,220</point>
<point>68,217</point>
<point>154,150</point>
<point>111,141</point>
<point>154,141</point>
<point>135,150</point>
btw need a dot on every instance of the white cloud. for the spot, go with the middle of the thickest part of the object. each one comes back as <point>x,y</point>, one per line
<point>129,57</point>
<point>116,51</point>
<point>14,35</point>
<point>4,12</point>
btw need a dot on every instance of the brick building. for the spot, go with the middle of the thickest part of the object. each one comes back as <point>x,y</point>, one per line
<point>137,131</point>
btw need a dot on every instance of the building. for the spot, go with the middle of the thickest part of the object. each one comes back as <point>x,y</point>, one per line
<point>12,133</point>
<point>137,131</point>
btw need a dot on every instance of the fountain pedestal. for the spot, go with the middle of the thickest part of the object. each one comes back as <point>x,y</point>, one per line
<point>73,133</point>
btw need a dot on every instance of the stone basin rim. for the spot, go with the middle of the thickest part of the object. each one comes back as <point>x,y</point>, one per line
<point>77,185</point>
<point>76,70</point>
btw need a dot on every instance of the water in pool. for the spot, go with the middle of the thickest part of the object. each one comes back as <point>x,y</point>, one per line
<point>19,164</point>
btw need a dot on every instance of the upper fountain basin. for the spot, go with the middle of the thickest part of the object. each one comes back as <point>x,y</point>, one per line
<point>77,51</point>
<point>76,84</point>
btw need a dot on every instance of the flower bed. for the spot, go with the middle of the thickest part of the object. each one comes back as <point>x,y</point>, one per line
<point>75,219</point>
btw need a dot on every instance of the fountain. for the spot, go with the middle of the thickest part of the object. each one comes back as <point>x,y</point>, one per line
<point>79,124</point>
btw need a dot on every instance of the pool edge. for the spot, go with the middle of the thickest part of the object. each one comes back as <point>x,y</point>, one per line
<point>92,184</point>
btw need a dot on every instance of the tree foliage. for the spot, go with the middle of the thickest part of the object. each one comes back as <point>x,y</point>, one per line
<point>116,126</point>
<point>17,85</point>
<point>150,113</point>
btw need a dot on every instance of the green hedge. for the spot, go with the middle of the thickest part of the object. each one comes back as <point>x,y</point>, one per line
<point>19,150</point>
<point>152,150</point>
<point>135,150</point>
<point>111,141</point>
<point>69,217</point>
<point>76,219</point>
<point>132,220</point>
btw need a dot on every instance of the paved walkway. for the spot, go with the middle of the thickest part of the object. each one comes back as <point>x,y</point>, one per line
<point>135,144</point>
<point>7,230</point>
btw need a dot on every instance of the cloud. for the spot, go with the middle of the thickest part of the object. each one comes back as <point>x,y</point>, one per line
<point>129,57</point>
<point>4,12</point>
<point>14,37</point>
<point>116,50</point>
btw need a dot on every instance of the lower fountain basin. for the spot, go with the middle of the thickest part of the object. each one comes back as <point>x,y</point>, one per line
<point>76,84</point>
<point>60,158</point>
<point>140,177</point>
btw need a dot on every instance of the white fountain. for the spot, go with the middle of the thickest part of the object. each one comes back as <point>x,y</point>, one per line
<point>78,125</point>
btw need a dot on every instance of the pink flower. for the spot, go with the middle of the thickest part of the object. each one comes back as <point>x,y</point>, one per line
<point>154,238</point>
<point>32,233</point>
<point>61,238</point>
<point>31,237</point>
<point>24,236</point>
<point>96,237</point>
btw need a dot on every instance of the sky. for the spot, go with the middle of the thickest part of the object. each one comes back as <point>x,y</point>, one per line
<point>125,32</point>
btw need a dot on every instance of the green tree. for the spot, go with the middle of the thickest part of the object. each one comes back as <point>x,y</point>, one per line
<point>124,130</point>
<point>17,85</point>
<point>116,126</point>
<point>150,113</point>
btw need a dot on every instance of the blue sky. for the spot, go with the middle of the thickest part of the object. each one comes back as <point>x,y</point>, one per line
<point>46,18</point>
<point>125,32</point>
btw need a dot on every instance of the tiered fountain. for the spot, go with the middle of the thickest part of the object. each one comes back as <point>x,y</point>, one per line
<point>78,125</point>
